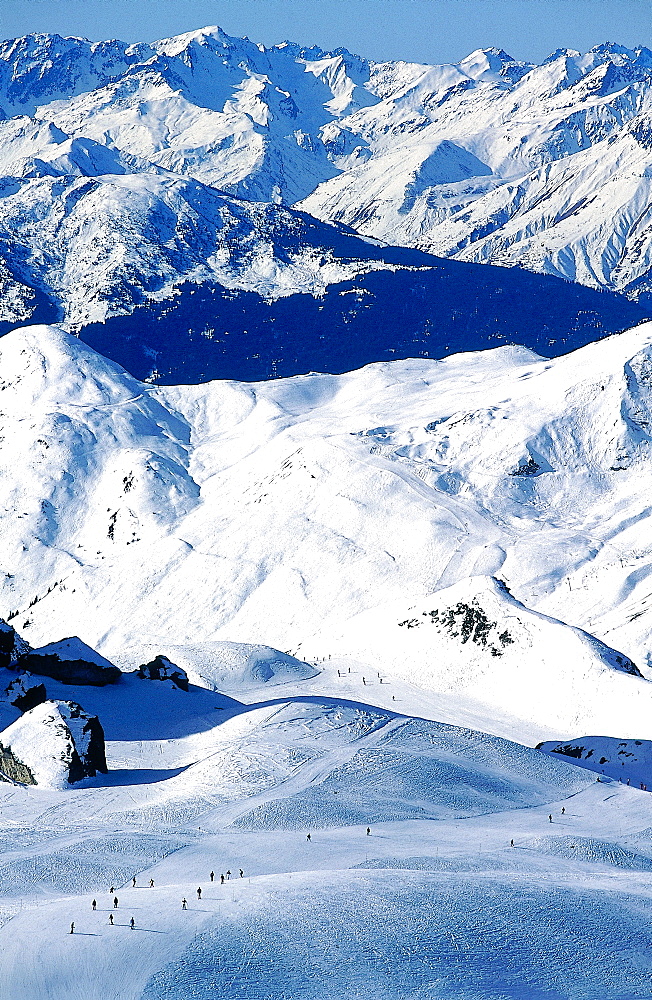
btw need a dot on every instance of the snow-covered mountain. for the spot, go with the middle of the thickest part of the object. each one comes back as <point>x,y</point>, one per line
<point>180,282</point>
<point>273,513</point>
<point>546,167</point>
<point>490,159</point>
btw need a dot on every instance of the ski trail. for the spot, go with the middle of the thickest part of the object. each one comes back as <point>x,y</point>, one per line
<point>306,774</point>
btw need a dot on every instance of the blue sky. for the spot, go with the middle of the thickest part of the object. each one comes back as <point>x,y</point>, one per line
<point>420,30</point>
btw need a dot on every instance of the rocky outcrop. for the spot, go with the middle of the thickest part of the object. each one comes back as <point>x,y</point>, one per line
<point>162,669</point>
<point>26,692</point>
<point>70,661</point>
<point>11,645</point>
<point>88,736</point>
<point>53,745</point>
<point>13,769</point>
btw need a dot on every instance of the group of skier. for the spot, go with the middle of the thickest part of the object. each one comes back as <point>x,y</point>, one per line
<point>225,878</point>
<point>184,902</point>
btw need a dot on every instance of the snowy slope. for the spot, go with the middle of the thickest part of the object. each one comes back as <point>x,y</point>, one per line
<point>101,245</point>
<point>230,666</point>
<point>408,879</point>
<point>473,640</point>
<point>274,513</point>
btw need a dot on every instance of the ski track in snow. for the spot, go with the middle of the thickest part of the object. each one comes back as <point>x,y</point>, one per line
<point>422,907</point>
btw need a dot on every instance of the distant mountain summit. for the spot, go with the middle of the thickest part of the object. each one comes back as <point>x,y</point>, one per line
<point>150,198</point>
<point>485,159</point>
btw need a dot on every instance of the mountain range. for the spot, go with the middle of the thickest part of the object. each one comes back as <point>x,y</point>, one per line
<point>155,199</point>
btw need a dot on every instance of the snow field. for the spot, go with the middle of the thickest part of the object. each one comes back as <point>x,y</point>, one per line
<point>274,513</point>
<point>485,920</point>
<point>432,903</point>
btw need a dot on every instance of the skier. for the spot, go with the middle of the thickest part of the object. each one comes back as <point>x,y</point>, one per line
<point>115,902</point>
<point>228,873</point>
<point>242,873</point>
<point>112,889</point>
<point>563,810</point>
<point>151,883</point>
<point>550,817</point>
<point>72,927</point>
<point>132,923</point>
<point>111,919</point>
<point>198,892</point>
<point>133,882</point>
<point>308,837</point>
<point>212,876</point>
<point>184,903</point>
<point>94,904</point>
<point>222,879</point>
<point>368,831</point>
<point>511,843</point>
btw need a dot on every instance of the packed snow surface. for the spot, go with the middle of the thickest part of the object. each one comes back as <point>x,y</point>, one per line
<point>407,885</point>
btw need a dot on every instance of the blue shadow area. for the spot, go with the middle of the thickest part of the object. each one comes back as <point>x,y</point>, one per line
<point>136,776</point>
<point>437,308</point>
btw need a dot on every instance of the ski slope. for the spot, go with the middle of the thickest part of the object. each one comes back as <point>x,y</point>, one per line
<point>432,902</point>
<point>385,587</point>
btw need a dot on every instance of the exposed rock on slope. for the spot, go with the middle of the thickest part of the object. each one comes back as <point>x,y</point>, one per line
<point>162,669</point>
<point>11,645</point>
<point>53,745</point>
<point>475,639</point>
<point>628,760</point>
<point>26,692</point>
<point>70,661</point>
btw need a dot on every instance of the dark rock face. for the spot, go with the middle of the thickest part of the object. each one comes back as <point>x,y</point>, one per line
<point>25,693</point>
<point>68,671</point>
<point>89,752</point>
<point>11,645</point>
<point>162,669</point>
<point>13,769</point>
